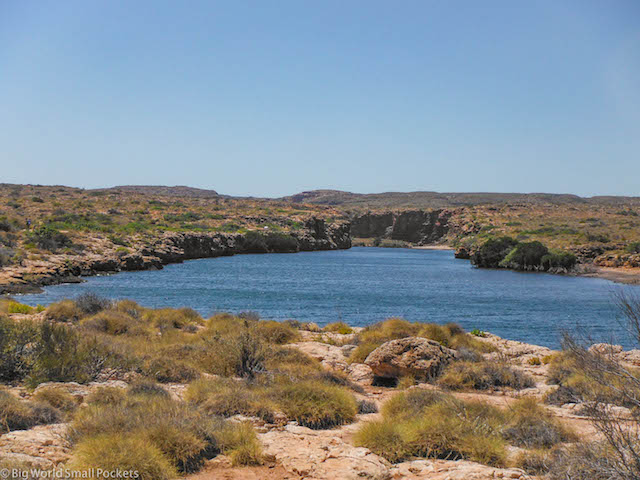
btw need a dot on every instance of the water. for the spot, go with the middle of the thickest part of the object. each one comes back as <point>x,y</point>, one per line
<point>365,285</point>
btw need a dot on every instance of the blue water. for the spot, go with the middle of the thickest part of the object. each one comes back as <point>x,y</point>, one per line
<point>365,285</point>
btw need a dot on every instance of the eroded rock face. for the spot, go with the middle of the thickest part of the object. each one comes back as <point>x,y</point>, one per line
<point>415,226</point>
<point>170,247</point>
<point>417,356</point>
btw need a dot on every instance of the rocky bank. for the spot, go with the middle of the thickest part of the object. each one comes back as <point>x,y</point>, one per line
<point>170,247</point>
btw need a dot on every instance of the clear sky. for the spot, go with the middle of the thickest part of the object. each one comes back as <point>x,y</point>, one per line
<point>274,97</point>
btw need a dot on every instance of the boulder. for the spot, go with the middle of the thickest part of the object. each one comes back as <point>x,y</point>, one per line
<point>417,356</point>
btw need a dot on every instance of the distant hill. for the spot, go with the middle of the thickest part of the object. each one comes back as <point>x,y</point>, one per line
<point>440,200</point>
<point>177,191</point>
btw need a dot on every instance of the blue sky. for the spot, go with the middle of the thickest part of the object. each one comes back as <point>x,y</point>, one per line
<point>271,98</point>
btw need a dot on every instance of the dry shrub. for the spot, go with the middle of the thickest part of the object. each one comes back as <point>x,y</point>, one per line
<point>57,398</point>
<point>90,303</point>
<point>130,308</point>
<point>315,404</point>
<point>107,396</point>
<point>166,319</point>
<point>168,370</point>
<point>226,397</point>
<point>239,441</point>
<point>483,376</point>
<point>114,322</point>
<point>338,327</point>
<point>183,434</point>
<point>532,426</point>
<point>119,451</point>
<point>435,425</point>
<point>63,311</point>
<point>579,461</point>
<point>276,332</point>
<point>450,335</point>
<point>16,414</point>
<point>17,352</point>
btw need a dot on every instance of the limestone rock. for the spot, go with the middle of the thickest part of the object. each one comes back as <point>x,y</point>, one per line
<point>43,446</point>
<point>605,348</point>
<point>417,356</point>
<point>322,455</point>
<point>329,355</point>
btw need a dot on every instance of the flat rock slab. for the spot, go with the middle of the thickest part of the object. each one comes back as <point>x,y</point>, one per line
<point>43,446</point>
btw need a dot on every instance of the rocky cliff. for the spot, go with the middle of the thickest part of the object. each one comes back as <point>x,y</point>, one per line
<point>421,227</point>
<point>173,247</point>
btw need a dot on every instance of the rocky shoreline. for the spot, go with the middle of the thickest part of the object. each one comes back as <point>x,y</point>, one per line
<point>170,247</point>
<point>292,451</point>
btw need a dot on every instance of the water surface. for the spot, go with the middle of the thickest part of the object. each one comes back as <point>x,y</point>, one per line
<point>365,285</point>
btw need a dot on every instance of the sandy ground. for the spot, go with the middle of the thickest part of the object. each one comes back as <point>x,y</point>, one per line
<point>629,276</point>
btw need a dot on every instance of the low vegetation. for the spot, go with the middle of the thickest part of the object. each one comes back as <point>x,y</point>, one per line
<point>483,375</point>
<point>80,340</point>
<point>20,415</point>
<point>427,423</point>
<point>450,335</point>
<point>506,252</point>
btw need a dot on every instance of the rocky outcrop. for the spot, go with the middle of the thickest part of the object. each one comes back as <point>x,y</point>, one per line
<point>170,247</point>
<point>411,356</point>
<point>421,227</point>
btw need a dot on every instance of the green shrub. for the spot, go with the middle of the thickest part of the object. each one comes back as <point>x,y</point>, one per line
<point>525,256</point>
<point>384,438</point>
<point>492,252</point>
<point>564,260</point>
<point>15,307</point>
<point>577,385</point>
<point>48,238</point>
<point>483,376</point>
<point>633,247</point>
<point>316,405</point>
<point>129,307</point>
<point>132,451</point>
<point>365,407</point>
